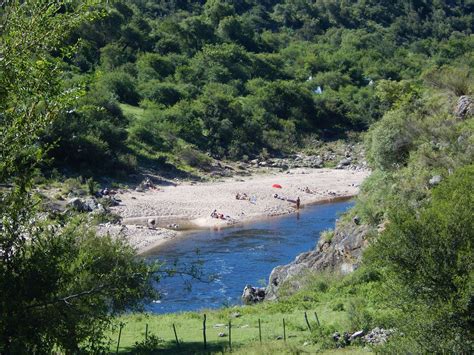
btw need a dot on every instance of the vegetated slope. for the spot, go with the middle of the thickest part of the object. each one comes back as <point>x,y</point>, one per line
<point>235,79</point>
<point>416,211</point>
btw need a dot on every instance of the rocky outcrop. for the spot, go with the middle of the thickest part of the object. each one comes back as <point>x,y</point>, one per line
<point>342,253</point>
<point>464,107</point>
<point>253,294</point>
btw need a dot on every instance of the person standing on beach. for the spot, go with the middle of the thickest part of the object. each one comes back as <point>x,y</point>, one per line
<point>298,201</point>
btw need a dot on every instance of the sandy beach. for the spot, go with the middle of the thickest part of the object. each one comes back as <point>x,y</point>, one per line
<point>175,208</point>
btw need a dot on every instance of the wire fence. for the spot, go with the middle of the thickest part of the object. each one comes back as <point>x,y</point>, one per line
<point>179,341</point>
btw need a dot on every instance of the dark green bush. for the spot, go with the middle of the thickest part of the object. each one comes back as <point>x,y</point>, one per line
<point>427,256</point>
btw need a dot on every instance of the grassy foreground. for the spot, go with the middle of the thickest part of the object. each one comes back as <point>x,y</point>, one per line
<point>342,304</point>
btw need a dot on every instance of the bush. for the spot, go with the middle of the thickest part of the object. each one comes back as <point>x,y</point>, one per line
<point>194,158</point>
<point>359,317</point>
<point>121,84</point>
<point>161,93</point>
<point>427,257</point>
<point>327,235</point>
<point>390,140</point>
<point>147,346</point>
<point>92,186</point>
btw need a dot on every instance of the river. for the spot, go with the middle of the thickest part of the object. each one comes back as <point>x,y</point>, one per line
<point>237,256</point>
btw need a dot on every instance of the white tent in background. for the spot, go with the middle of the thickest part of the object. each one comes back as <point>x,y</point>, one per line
<point>370,82</point>
<point>318,90</point>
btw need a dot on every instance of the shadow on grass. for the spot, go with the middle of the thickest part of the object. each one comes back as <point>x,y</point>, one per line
<point>184,348</point>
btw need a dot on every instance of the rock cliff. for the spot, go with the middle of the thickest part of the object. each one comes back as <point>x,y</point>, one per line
<point>342,253</point>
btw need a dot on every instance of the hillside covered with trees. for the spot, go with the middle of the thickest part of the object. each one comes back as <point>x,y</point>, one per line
<point>175,81</point>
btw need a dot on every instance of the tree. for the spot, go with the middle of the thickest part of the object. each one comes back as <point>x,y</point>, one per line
<point>59,282</point>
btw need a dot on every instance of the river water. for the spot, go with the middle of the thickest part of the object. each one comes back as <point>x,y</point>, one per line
<point>236,256</point>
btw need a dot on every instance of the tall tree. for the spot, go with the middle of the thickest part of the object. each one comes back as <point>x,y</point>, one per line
<point>59,282</point>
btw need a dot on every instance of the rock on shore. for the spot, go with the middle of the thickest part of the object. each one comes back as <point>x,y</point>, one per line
<point>342,253</point>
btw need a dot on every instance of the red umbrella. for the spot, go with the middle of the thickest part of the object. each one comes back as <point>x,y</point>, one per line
<point>277,186</point>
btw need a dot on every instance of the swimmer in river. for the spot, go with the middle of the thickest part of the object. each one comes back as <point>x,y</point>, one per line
<point>298,202</point>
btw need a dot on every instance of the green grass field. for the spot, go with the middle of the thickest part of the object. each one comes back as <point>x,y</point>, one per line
<point>330,297</point>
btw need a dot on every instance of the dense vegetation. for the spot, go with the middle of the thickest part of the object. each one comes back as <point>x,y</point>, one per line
<point>60,283</point>
<point>420,196</point>
<point>139,83</point>
<point>168,81</point>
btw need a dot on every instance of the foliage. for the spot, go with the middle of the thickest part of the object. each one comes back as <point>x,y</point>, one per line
<point>235,78</point>
<point>327,235</point>
<point>424,250</point>
<point>148,346</point>
<point>60,284</point>
<point>427,256</point>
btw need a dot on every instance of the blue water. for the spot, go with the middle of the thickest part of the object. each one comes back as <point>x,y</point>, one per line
<point>235,257</point>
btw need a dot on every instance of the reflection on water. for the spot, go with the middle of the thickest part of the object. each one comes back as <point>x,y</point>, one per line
<point>238,256</point>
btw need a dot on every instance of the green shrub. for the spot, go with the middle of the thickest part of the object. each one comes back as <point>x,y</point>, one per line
<point>92,186</point>
<point>121,84</point>
<point>194,158</point>
<point>427,257</point>
<point>147,346</point>
<point>390,140</point>
<point>161,93</point>
<point>327,235</point>
<point>359,317</point>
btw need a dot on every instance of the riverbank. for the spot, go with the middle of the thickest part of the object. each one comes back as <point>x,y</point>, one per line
<point>156,215</point>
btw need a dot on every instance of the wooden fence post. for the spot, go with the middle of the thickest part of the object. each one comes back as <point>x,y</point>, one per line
<point>120,335</point>
<point>259,330</point>
<point>230,335</point>
<point>146,332</point>
<point>319,324</point>
<point>307,322</point>
<point>204,331</point>
<point>284,330</point>
<point>175,335</point>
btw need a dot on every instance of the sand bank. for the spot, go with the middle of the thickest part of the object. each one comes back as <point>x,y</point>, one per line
<point>188,206</point>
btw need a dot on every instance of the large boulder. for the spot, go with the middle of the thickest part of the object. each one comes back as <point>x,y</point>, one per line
<point>90,204</point>
<point>344,162</point>
<point>84,205</point>
<point>343,253</point>
<point>253,294</point>
<point>76,204</point>
<point>313,162</point>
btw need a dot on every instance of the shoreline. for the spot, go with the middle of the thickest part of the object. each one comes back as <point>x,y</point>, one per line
<point>146,250</point>
<point>185,208</point>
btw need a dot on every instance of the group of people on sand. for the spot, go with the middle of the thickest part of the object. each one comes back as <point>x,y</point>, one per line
<point>218,215</point>
<point>244,196</point>
<point>307,190</point>
<point>241,196</point>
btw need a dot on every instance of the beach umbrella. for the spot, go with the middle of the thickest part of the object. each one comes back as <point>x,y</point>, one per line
<point>276,186</point>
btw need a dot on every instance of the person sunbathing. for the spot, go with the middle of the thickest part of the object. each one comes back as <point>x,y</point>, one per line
<point>242,196</point>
